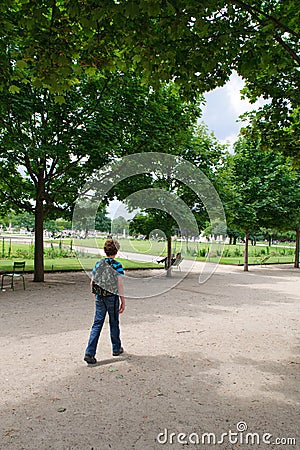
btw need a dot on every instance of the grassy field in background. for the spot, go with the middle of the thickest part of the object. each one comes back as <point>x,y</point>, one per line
<point>61,255</point>
<point>231,254</point>
<point>58,258</point>
<point>62,264</point>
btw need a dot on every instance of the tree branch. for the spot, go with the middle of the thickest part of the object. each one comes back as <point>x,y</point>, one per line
<point>29,168</point>
<point>13,198</point>
<point>287,48</point>
<point>64,169</point>
<point>51,171</point>
<point>254,11</point>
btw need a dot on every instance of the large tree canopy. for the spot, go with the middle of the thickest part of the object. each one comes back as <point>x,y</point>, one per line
<point>48,149</point>
<point>49,42</point>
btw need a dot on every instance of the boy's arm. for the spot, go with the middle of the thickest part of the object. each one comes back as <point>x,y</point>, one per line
<point>121,294</point>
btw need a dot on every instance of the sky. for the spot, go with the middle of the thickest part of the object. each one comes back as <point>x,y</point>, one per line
<point>223,107</point>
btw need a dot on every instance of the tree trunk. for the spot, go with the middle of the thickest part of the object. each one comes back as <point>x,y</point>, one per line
<point>39,242</point>
<point>187,244</point>
<point>246,252</point>
<point>169,249</point>
<point>270,240</point>
<point>296,265</point>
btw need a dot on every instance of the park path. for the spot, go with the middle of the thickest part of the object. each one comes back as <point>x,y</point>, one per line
<point>198,359</point>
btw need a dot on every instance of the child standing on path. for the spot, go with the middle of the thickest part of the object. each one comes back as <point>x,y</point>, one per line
<point>107,285</point>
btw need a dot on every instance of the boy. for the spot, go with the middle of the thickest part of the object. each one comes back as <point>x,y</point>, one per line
<point>107,295</point>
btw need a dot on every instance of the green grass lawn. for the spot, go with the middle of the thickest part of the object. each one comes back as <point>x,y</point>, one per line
<point>231,254</point>
<point>58,257</point>
<point>61,264</point>
<point>17,251</point>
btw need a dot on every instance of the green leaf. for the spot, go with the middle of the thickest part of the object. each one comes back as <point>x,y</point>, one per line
<point>14,89</point>
<point>91,71</point>
<point>60,99</point>
<point>21,64</point>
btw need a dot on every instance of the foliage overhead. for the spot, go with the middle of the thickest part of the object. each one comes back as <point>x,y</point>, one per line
<point>52,43</point>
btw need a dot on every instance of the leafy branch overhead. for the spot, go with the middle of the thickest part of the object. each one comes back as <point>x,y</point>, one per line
<point>51,44</point>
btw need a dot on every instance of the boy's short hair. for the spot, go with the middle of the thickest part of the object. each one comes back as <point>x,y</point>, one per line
<point>111,247</point>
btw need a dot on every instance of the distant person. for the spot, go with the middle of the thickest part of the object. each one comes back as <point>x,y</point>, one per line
<point>165,260</point>
<point>107,285</point>
<point>178,257</point>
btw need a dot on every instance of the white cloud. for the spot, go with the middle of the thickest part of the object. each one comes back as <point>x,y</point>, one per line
<point>223,107</point>
<point>232,89</point>
<point>116,208</point>
<point>229,140</point>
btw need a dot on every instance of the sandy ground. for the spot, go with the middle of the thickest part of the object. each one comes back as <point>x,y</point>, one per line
<point>213,358</point>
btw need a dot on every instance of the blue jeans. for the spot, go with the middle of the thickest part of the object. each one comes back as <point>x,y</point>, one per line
<point>105,305</point>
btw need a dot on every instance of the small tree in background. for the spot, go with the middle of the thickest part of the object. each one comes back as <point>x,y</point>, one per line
<point>264,193</point>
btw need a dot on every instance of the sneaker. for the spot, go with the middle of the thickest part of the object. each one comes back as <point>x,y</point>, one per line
<point>90,359</point>
<point>118,352</point>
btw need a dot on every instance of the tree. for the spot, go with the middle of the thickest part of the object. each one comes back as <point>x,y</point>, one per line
<point>141,224</point>
<point>276,124</point>
<point>119,224</point>
<point>50,144</point>
<point>264,190</point>
<point>47,150</point>
<point>102,222</point>
<point>24,220</point>
<point>51,44</point>
<point>172,196</point>
<point>55,227</point>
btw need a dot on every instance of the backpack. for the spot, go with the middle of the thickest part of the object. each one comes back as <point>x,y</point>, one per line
<point>105,282</point>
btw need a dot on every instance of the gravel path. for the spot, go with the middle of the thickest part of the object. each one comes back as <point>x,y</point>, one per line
<point>199,358</point>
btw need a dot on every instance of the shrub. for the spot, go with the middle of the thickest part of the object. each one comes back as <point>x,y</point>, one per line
<point>237,252</point>
<point>202,252</point>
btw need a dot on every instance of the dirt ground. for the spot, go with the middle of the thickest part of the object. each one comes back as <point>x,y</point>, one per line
<point>219,358</point>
